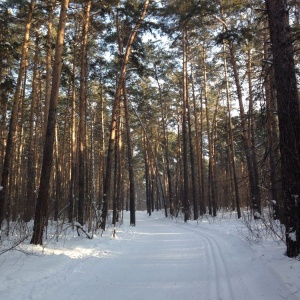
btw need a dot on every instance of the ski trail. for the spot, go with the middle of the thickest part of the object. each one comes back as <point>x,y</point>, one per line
<point>159,259</point>
<point>218,277</point>
<point>232,275</point>
<point>224,286</point>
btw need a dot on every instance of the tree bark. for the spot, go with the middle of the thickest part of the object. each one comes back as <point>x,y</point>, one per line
<point>82,109</point>
<point>112,137</point>
<point>272,130</point>
<point>289,118</point>
<point>192,161</point>
<point>130,161</point>
<point>41,211</point>
<point>163,109</point>
<point>30,201</point>
<point>200,197</point>
<point>254,185</point>
<point>72,167</point>
<point>51,4</point>
<point>231,152</point>
<point>14,115</point>
<point>186,202</point>
<point>210,188</point>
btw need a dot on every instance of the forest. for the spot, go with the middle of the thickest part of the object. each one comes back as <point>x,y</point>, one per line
<point>189,107</point>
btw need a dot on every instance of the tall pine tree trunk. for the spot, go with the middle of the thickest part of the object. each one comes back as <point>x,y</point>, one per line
<point>112,137</point>
<point>168,181</point>
<point>289,118</point>
<point>272,130</point>
<point>130,161</point>
<point>14,115</point>
<point>51,4</point>
<point>30,201</point>
<point>82,109</point>
<point>186,203</point>
<point>210,188</point>
<point>41,210</point>
<point>255,196</point>
<point>200,197</point>
<point>192,161</point>
<point>231,152</point>
<point>254,185</point>
<point>72,166</point>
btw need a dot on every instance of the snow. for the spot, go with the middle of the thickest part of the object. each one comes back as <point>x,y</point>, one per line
<point>257,214</point>
<point>158,259</point>
<point>292,236</point>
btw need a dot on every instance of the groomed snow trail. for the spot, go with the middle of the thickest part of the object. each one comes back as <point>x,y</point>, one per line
<point>159,259</point>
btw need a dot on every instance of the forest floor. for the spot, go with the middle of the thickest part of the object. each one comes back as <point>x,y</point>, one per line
<point>158,259</point>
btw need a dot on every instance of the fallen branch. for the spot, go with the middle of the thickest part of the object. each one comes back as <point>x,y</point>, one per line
<point>78,226</point>
<point>15,245</point>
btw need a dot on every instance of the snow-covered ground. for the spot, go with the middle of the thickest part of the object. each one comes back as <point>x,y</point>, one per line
<point>159,259</point>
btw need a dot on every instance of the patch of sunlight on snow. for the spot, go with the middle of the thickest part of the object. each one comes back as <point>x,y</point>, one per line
<point>158,233</point>
<point>78,252</point>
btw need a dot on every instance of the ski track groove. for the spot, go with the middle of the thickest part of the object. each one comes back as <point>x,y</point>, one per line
<point>225,291</point>
<point>222,277</point>
<point>224,287</point>
<point>221,289</point>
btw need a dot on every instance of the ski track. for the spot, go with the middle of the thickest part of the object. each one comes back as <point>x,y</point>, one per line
<point>249,279</point>
<point>160,259</point>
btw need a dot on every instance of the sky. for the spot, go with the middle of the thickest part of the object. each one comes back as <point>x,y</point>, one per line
<point>160,258</point>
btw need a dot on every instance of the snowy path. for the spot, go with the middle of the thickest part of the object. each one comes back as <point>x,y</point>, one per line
<point>159,259</point>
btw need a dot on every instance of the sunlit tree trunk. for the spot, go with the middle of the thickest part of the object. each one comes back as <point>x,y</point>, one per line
<point>5,90</point>
<point>41,211</point>
<point>118,167</point>
<point>128,134</point>
<point>82,188</point>
<point>101,146</point>
<point>147,175</point>
<point>214,159</point>
<point>50,6</point>
<point>251,127</point>
<point>254,185</point>
<point>210,188</point>
<point>184,130</point>
<point>130,160</point>
<point>199,195</point>
<point>72,166</point>
<point>163,109</point>
<point>58,177</point>
<point>30,201</point>
<point>112,137</point>
<point>246,134</point>
<point>192,161</point>
<point>231,141</point>
<point>14,115</point>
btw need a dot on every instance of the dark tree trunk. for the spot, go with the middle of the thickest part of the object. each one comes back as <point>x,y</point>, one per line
<point>272,132</point>
<point>184,131</point>
<point>41,211</point>
<point>30,199</point>
<point>199,195</point>
<point>147,176</point>
<point>231,150</point>
<point>14,116</point>
<point>130,161</point>
<point>289,118</point>
<point>72,166</point>
<point>82,187</point>
<point>112,137</point>
<point>163,108</point>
